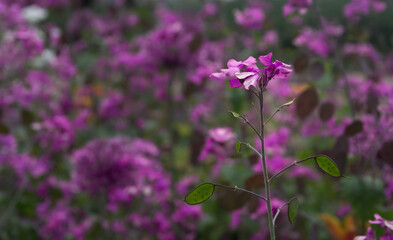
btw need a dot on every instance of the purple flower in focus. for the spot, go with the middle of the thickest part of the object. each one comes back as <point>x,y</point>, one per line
<point>273,70</point>
<point>246,73</point>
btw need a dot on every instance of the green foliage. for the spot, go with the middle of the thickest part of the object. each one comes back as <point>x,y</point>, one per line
<point>200,194</point>
<point>292,209</point>
<point>328,165</point>
<point>365,194</point>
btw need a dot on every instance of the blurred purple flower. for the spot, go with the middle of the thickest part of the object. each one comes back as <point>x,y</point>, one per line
<point>250,18</point>
<point>296,5</point>
<point>356,8</point>
<point>55,133</point>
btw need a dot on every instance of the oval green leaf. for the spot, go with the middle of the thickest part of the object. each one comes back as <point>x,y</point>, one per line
<point>234,114</point>
<point>238,147</point>
<point>288,103</point>
<point>200,194</point>
<point>292,209</point>
<point>328,165</point>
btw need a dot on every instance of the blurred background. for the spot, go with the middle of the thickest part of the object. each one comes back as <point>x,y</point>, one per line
<point>109,117</point>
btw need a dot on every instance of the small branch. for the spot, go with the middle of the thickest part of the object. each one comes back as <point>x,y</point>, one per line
<point>240,189</point>
<point>291,165</point>
<point>249,124</point>
<point>279,109</point>
<point>252,148</point>
<point>255,93</point>
<point>275,216</point>
<point>275,112</point>
<point>279,210</point>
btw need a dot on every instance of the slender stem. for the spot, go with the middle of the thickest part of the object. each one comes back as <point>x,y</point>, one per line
<point>275,112</point>
<point>275,216</point>
<point>251,147</point>
<point>240,189</point>
<point>265,174</point>
<point>279,109</point>
<point>279,210</point>
<point>249,124</point>
<point>289,166</point>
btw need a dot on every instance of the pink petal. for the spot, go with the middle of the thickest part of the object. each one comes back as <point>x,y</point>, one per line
<point>244,75</point>
<point>233,63</point>
<point>251,81</point>
<point>218,76</point>
<point>230,71</point>
<point>279,64</point>
<point>266,60</point>
<point>235,83</point>
<point>250,62</point>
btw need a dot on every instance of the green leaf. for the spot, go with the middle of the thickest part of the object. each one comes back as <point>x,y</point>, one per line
<point>234,114</point>
<point>238,146</point>
<point>292,209</point>
<point>200,194</point>
<point>328,165</point>
<point>288,103</point>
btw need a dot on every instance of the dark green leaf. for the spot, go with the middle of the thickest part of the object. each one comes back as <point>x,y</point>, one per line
<point>328,165</point>
<point>292,209</point>
<point>200,194</point>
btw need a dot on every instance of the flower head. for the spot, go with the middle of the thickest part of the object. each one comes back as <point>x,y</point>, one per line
<point>246,73</point>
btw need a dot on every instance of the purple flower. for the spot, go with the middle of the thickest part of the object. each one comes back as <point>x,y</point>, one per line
<point>246,73</point>
<point>296,5</point>
<point>356,8</point>
<point>250,18</point>
<point>273,70</point>
<point>56,133</point>
<point>382,222</point>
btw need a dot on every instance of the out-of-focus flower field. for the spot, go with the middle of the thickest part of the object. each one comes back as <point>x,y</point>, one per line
<point>110,114</point>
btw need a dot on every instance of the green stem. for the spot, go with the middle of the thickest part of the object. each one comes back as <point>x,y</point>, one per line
<point>240,189</point>
<point>265,174</point>
<point>291,165</point>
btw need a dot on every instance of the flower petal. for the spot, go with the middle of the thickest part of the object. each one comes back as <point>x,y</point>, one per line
<point>266,60</point>
<point>218,76</point>
<point>233,63</point>
<point>235,83</point>
<point>251,81</point>
<point>244,75</point>
<point>250,62</point>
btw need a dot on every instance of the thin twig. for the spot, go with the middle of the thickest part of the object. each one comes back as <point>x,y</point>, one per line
<point>275,112</point>
<point>279,210</point>
<point>291,165</point>
<point>278,109</point>
<point>249,124</point>
<point>251,147</point>
<point>240,189</point>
